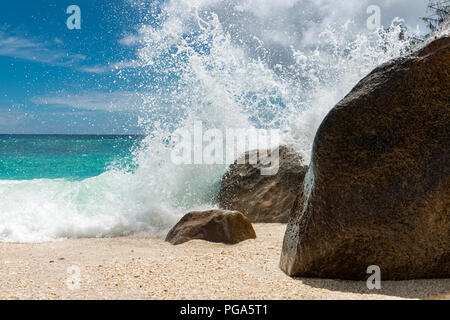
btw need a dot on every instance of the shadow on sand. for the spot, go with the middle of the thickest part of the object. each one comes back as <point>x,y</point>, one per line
<point>410,289</point>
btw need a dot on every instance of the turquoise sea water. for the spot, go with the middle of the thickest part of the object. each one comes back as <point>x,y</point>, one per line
<point>56,187</point>
<point>208,71</point>
<point>27,157</point>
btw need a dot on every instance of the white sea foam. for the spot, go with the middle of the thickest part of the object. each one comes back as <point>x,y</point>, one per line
<point>224,64</point>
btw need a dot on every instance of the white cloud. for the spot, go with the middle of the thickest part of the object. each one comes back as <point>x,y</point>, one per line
<point>43,52</point>
<point>94,69</point>
<point>130,40</point>
<point>267,28</point>
<point>126,64</point>
<point>34,50</point>
<point>97,101</point>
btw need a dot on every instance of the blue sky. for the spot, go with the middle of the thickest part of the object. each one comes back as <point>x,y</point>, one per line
<point>56,80</point>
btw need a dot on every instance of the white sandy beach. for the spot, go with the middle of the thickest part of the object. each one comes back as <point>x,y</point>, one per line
<point>149,268</point>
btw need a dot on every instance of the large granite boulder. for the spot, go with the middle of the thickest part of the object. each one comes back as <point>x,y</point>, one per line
<point>228,227</point>
<point>377,191</point>
<point>263,198</point>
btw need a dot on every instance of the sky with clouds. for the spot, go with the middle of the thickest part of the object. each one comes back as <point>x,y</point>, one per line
<point>87,81</point>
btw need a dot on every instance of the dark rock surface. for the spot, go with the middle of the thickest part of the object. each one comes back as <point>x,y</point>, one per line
<point>377,191</point>
<point>215,225</point>
<point>263,198</point>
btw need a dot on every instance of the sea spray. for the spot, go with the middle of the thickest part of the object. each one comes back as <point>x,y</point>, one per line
<point>227,65</point>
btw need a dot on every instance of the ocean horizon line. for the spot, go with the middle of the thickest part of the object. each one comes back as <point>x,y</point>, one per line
<point>68,135</point>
